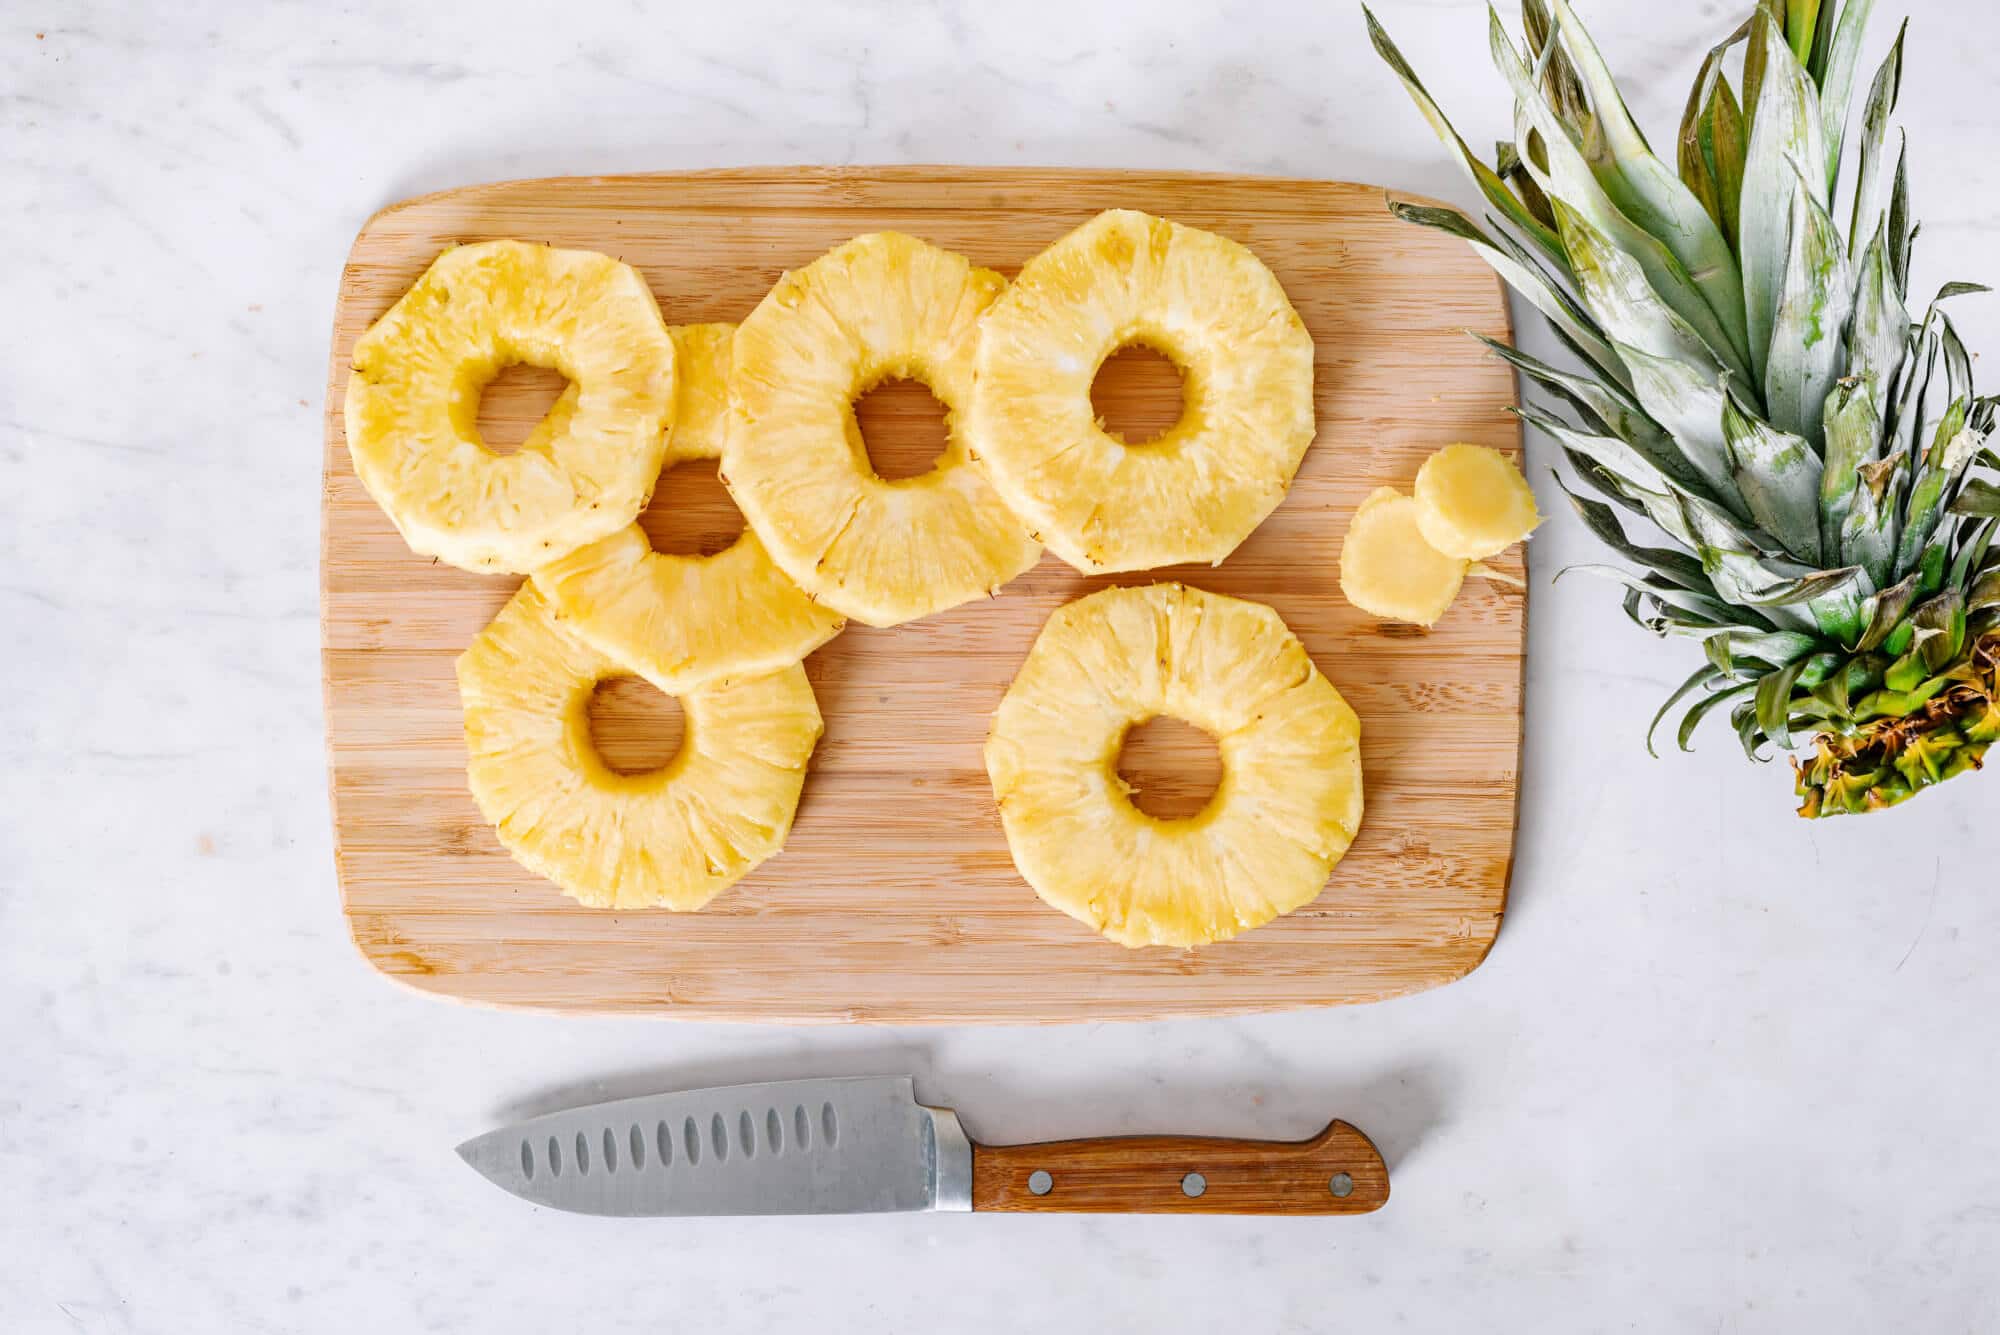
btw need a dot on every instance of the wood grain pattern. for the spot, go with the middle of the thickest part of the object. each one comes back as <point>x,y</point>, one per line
<point>1338,1171</point>
<point>895,900</point>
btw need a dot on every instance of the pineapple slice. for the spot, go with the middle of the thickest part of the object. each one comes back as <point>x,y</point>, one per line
<point>673,838</point>
<point>1205,302</point>
<point>881,306</point>
<point>413,397</point>
<point>680,621</point>
<point>1286,809</point>
<point>1472,502</point>
<point>1387,569</point>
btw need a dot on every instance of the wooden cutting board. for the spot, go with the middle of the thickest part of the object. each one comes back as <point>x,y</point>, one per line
<point>895,899</point>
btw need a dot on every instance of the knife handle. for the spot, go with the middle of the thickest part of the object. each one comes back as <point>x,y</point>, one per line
<point>1338,1171</point>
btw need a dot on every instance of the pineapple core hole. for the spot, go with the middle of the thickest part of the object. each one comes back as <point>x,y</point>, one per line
<point>1138,395</point>
<point>691,513</point>
<point>902,428</point>
<point>514,402</point>
<point>635,728</point>
<point>1173,767</point>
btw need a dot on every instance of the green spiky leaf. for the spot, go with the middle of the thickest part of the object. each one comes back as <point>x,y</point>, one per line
<point>1484,177</point>
<point>1784,131</point>
<point>1806,354</point>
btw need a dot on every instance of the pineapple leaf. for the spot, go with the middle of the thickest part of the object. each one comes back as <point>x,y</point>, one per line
<point>1525,276</point>
<point>1641,473</point>
<point>1647,191</point>
<point>1978,541</point>
<point>1881,325</point>
<point>1779,477</point>
<point>1507,163</point>
<point>1702,709</point>
<point>1870,202</point>
<point>1901,445</point>
<point>1608,406</point>
<point>1673,375</point>
<point>1489,184</point>
<point>1559,81</point>
<point>1853,433</point>
<point>1941,629</point>
<point>1985,592</point>
<point>1978,498</point>
<point>1705,675</point>
<point>1784,131</point>
<point>1804,588</point>
<point>1801,25</point>
<point>1678,568</point>
<point>1884,612</point>
<point>1951,451</point>
<point>1603,483</point>
<point>1713,154</point>
<point>1742,568</point>
<point>1835,73</point>
<point>1814,303</point>
<point>1736,651</point>
<point>1686,608</point>
<point>1817,58</point>
<point>1774,702</point>
<point>1902,235</point>
<point>1868,533</point>
<point>1566,178</point>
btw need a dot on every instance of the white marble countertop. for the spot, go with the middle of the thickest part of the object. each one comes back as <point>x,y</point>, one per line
<point>1726,1071</point>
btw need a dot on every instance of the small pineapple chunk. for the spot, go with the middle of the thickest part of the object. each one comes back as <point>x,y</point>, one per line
<point>1387,568</point>
<point>1473,503</point>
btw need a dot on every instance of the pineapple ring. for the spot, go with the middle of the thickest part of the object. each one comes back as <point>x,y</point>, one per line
<point>1192,494</point>
<point>673,838</point>
<point>1285,811</point>
<point>413,398</point>
<point>881,306</point>
<point>681,621</point>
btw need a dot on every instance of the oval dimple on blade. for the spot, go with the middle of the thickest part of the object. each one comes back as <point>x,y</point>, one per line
<point>797,1147</point>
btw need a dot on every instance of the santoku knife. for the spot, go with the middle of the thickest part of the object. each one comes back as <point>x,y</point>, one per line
<point>865,1145</point>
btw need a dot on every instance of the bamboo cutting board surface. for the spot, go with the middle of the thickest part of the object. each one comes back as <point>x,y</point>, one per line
<point>895,899</point>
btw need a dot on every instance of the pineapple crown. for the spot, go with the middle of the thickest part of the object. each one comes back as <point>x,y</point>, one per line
<point>1751,383</point>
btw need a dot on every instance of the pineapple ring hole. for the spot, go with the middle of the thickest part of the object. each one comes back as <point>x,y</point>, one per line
<point>902,427</point>
<point>691,513</point>
<point>514,402</point>
<point>1139,395</point>
<point>635,728</point>
<point>1172,767</point>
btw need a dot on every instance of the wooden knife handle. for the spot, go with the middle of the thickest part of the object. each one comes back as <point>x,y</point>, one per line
<point>1338,1171</point>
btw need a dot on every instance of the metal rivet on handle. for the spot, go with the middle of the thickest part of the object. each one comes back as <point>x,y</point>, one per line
<point>1194,1184</point>
<point>1040,1183</point>
<point>1342,1184</point>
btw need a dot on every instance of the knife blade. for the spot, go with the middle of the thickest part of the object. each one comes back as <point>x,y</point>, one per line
<point>865,1145</point>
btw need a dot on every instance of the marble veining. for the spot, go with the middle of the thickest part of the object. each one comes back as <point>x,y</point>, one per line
<point>1724,1072</point>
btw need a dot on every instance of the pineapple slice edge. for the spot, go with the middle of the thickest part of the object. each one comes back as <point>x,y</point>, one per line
<point>413,394</point>
<point>1287,807</point>
<point>1216,310</point>
<point>672,838</point>
<point>880,552</point>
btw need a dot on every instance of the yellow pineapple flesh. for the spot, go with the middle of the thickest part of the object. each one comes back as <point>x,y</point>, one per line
<point>1208,304</point>
<point>1288,804</point>
<point>1387,569</point>
<point>1472,502</point>
<point>882,306</point>
<point>680,621</point>
<point>674,837</point>
<point>413,400</point>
